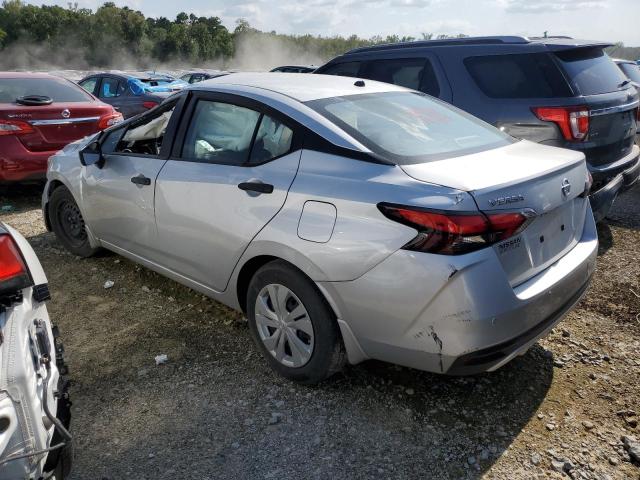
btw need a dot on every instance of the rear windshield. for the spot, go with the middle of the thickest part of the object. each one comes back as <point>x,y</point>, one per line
<point>58,89</point>
<point>409,127</point>
<point>591,70</point>
<point>631,70</point>
<point>529,75</point>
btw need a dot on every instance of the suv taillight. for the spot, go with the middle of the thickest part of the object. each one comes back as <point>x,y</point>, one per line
<point>573,121</point>
<point>109,120</point>
<point>14,127</point>
<point>149,105</point>
<point>454,233</point>
<point>13,271</point>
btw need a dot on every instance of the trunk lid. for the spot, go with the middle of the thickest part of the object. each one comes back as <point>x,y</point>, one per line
<point>55,125</point>
<point>546,183</point>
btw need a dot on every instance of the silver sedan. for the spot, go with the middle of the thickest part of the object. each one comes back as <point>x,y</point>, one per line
<point>348,219</point>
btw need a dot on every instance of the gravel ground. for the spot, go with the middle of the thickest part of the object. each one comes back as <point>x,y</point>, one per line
<point>215,410</point>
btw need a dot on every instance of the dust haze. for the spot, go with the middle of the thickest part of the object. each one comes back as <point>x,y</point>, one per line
<point>252,53</point>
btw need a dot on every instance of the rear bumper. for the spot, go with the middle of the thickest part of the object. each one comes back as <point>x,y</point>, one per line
<point>17,164</point>
<point>458,315</point>
<point>618,176</point>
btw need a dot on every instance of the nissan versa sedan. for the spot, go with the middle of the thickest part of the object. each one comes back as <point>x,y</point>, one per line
<point>348,219</point>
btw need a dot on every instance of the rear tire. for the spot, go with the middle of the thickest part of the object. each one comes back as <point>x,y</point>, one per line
<point>292,324</point>
<point>68,224</point>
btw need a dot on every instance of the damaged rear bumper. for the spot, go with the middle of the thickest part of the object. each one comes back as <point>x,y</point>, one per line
<point>456,315</point>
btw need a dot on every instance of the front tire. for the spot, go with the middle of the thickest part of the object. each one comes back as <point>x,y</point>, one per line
<point>292,325</point>
<point>68,224</point>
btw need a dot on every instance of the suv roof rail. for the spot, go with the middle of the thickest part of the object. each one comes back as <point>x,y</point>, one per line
<point>443,42</point>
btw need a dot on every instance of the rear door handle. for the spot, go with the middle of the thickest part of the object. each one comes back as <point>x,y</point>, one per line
<point>256,186</point>
<point>141,180</point>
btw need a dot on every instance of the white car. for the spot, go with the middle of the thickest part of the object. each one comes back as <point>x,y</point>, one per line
<point>34,403</point>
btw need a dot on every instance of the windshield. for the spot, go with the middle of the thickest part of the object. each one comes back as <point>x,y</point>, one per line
<point>630,70</point>
<point>58,89</point>
<point>409,127</point>
<point>591,70</point>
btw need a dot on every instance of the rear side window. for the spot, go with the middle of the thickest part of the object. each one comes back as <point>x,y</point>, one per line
<point>532,75</point>
<point>591,70</point>
<point>631,70</point>
<point>220,133</point>
<point>347,69</point>
<point>273,140</point>
<point>410,127</point>
<point>414,73</point>
<point>58,89</point>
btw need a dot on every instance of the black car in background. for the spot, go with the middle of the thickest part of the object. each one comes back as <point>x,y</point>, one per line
<point>556,91</point>
<point>195,76</point>
<point>131,93</point>
<point>294,69</point>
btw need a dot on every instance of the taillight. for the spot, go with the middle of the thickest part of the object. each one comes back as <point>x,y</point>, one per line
<point>14,127</point>
<point>109,120</point>
<point>149,105</point>
<point>573,121</point>
<point>454,233</point>
<point>13,271</point>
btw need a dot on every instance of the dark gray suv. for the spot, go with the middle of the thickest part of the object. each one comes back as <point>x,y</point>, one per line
<point>556,91</point>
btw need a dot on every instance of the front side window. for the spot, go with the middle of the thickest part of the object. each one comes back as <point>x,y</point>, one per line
<point>145,136</point>
<point>528,75</point>
<point>410,127</point>
<point>220,133</point>
<point>111,87</point>
<point>348,69</point>
<point>414,73</point>
<point>90,84</point>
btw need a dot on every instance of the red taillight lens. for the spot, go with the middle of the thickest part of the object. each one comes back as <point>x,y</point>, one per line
<point>13,271</point>
<point>149,105</point>
<point>454,233</point>
<point>14,127</point>
<point>573,121</point>
<point>109,120</point>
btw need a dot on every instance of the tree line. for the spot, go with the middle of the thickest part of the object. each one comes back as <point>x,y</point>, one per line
<point>103,38</point>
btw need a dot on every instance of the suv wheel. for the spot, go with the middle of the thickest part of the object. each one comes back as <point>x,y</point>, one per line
<point>68,224</point>
<point>292,324</point>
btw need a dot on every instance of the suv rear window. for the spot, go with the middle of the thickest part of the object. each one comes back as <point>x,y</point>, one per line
<point>591,70</point>
<point>410,127</point>
<point>58,89</point>
<point>532,75</point>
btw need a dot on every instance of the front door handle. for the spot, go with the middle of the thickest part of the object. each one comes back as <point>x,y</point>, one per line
<point>141,180</point>
<point>256,186</point>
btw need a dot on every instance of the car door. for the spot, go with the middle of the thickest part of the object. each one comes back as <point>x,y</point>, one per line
<point>232,166</point>
<point>118,192</point>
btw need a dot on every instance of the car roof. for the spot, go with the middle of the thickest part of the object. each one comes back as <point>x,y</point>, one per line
<point>26,75</point>
<point>298,86</point>
<point>556,42</point>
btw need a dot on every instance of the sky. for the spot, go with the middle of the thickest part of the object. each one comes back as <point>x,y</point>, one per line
<point>610,20</point>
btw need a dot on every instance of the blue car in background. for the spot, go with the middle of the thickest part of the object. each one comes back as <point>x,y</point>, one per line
<point>131,93</point>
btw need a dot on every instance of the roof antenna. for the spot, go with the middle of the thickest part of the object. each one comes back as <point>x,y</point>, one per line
<point>359,83</point>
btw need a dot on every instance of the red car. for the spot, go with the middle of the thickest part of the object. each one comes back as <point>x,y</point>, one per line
<point>39,115</point>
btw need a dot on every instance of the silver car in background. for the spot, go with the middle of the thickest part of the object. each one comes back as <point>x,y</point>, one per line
<point>348,219</point>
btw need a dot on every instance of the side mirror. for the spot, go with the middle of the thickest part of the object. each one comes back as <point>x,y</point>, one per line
<point>91,155</point>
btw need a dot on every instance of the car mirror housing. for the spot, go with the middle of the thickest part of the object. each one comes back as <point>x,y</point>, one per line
<point>91,155</point>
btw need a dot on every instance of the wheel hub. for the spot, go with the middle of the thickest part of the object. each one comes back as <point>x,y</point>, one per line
<point>284,325</point>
